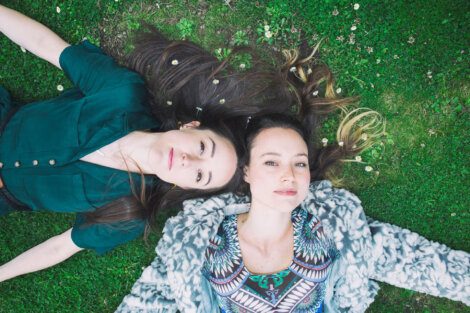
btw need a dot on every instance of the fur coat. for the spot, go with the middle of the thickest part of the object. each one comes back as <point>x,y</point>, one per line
<point>370,251</point>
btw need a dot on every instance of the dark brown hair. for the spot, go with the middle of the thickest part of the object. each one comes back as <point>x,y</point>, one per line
<point>200,80</point>
<point>187,83</point>
<point>312,94</point>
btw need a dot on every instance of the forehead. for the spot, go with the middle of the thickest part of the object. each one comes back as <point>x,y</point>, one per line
<point>278,140</point>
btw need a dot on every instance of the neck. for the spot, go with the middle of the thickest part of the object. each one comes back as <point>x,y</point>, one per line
<point>265,225</point>
<point>136,151</point>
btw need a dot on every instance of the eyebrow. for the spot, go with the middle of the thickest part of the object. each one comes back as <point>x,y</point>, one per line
<point>213,147</point>
<point>210,178</point>
<point>212,155</point>
<point>278,154</point>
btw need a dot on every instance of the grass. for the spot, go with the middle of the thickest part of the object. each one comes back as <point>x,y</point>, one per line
<point>407,60</point>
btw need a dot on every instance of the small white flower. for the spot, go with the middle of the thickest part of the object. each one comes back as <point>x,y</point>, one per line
<point>215,81</point>
<point>340,38</point>
<point>324,141</point>
<point>378,61</point>
<point>174,62</point>
<point>453,214</point>
<point>242,65</point>
<point>364,136</point>
<point>369,50</point>
<point>116,0</point>
<point>293,69</point>
<point>429,74</point>
<point>57,9</point>
<point>60,87</point>
<point>341,143</point>
<point>315,93</point>
<point>431,132</point>
<point>358,158</point>
<point>378,74</point>
<point>338,90</point>
<point>335,12</point>
<point>411,40</point>
<point>352,38</point>
<point>266,28</point>
<point>395,56</point>
<point>169,102</point>
<point>353,28</point>
<point>377,173</point>
<point>422,145</point>
<point>309,71</point>
<point>372,85</point>
<point>268,34</point>
<point>356,6</point>
<point>23,49</point>
<point>222,101</point>
<point>368,168</point>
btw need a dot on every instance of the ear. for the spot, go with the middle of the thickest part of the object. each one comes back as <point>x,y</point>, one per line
<point>192,124</point>
<point>246,176</point>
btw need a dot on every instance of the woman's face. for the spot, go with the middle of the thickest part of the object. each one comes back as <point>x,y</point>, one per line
<point>192,158</point>
<point>278,172</point>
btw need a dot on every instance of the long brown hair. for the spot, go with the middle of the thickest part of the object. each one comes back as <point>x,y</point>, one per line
<point>313,86</point>
<point>187,83</point>
<point>312,94</point>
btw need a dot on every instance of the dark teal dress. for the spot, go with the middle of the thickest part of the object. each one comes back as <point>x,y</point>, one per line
<point>42,143</point>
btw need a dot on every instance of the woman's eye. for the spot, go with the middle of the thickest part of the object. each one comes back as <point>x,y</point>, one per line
<point>270,163</point>
<point>202,147</point>
<point>198,176</point>
<point>301,164</point>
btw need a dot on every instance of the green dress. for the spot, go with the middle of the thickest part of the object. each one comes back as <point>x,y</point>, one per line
<point>42,143</point>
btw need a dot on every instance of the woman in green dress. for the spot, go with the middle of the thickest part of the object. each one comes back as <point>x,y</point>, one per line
<point>98,150</point>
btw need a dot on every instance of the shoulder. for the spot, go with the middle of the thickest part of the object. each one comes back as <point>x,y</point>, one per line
<point>86,61</point>
<point>226,233</point>
<point>223,257</point>
<point>341,214</point>
<point>308,230</point>
<point>193,226</point>
<point>324,199</point>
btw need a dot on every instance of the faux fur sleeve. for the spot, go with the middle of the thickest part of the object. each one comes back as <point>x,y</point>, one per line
<point>150,293</point>
<point>405,259</point>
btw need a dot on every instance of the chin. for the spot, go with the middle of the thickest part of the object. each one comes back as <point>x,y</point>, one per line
<point>285,208</point>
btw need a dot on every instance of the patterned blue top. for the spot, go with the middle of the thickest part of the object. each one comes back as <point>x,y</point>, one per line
<point>299,288</point>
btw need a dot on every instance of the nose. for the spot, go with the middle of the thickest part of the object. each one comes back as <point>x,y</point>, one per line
<point>287,174</point>
<point>189,159</point>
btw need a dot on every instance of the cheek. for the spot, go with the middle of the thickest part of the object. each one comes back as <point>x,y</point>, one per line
<point>259,182</point>
<point>304,183</point>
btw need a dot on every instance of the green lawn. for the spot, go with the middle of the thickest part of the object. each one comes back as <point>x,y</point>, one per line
<point>406,59</point>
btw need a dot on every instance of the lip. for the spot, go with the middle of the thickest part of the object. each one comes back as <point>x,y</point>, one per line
<point>170,159</point>
<point>286,192</point>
